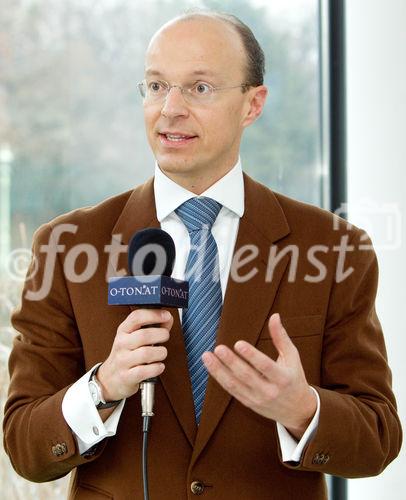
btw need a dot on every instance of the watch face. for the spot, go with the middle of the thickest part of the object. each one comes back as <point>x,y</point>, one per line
<point>94,392</point>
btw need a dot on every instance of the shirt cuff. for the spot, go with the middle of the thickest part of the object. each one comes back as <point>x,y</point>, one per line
<point>290,448</point>
<point>82,416</point>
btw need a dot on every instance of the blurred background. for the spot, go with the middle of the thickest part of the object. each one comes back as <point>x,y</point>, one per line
<point>72,134</point>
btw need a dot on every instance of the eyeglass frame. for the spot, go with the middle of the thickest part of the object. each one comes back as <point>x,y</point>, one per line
<point>143,84</point>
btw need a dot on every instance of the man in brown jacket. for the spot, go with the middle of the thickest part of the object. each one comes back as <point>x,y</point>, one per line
<point>299,383</point>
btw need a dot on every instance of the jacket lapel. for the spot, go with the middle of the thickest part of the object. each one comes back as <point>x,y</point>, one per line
<point>246,303</point>
<point>140,213</point>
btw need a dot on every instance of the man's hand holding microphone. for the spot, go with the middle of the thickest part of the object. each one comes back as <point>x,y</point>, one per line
<point>136,354</point>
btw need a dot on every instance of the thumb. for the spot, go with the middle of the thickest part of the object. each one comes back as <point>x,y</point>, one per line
<point>279,336</point>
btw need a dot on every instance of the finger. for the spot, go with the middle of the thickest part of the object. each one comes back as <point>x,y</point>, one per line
<point>280,338</point>
<point>141,317</point>
<point>167,321</point>
<point>145,336</point>
<point>143,372</point>
<point>225,378</point>
<point>262,363</point>
<point>146,355</point>
<point>240,368</point>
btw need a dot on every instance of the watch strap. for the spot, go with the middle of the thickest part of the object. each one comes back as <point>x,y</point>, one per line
<point>108,404</point>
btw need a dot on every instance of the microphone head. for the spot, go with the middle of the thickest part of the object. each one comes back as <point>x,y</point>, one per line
<point>151,251</point>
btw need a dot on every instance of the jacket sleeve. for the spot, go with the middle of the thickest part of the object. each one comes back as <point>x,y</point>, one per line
<point>45,361</point>
<point>359,432</point>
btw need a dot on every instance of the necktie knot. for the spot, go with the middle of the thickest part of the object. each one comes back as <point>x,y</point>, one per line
<point>198,213</point>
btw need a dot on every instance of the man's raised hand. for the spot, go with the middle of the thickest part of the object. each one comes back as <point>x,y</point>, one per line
<point>278,390</point>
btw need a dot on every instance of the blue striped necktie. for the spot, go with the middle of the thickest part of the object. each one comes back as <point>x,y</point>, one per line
<point>200,320</point>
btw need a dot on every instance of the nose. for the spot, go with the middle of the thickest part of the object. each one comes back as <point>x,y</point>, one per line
<point>174,104</point>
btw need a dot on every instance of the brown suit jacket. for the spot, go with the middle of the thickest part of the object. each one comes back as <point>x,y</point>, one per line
<point>235,453</point>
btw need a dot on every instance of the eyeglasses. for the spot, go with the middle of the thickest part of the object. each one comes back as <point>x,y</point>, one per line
<point>198,93</point>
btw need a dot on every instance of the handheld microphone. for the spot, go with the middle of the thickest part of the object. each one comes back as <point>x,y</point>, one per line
<point>151,257</point>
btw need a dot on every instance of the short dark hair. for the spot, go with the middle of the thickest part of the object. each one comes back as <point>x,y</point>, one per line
<point>255,68</point>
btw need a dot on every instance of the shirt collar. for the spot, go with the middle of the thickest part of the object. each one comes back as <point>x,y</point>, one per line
<point>229,191</point>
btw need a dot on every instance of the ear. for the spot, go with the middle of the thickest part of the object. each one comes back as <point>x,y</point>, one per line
<point>255,103</point>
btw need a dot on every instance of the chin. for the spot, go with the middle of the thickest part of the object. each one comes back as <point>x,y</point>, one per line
<point>174,165</point>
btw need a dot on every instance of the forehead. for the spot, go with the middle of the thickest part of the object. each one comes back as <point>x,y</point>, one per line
<point>196,48</point>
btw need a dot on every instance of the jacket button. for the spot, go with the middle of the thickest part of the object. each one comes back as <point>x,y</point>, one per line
<point>59,449</point>
<point>318,458</point>
<point>197,487</point>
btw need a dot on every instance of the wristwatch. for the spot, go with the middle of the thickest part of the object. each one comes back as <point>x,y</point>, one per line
<point>97,395</point>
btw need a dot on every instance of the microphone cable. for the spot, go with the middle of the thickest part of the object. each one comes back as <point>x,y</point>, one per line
<point>147,402</point>
<point>149,239</point>
<point>146,421</point>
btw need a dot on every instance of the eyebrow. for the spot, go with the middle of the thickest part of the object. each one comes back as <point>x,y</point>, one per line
<point>196,72</point>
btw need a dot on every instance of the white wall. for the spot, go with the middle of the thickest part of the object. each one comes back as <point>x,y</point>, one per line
<point>376,99</point>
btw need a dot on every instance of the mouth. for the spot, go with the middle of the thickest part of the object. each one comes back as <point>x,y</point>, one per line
<point>176,139</point>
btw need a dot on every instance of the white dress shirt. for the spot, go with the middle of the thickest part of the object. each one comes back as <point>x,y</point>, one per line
<point>78,408</point>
